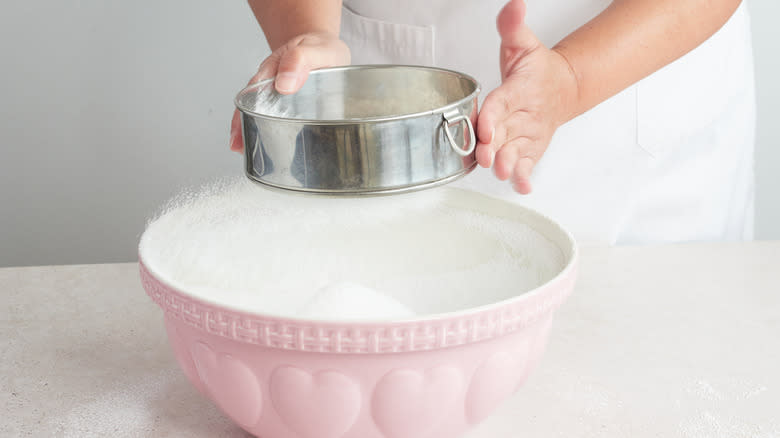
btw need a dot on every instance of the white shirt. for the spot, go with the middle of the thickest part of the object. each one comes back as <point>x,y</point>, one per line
<point>669,159</point>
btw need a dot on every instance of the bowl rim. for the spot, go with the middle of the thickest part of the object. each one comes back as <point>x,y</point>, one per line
<point>361,120</point>
<point>422,332</point>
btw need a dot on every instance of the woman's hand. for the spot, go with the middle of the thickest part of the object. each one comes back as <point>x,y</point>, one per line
<point>537,95</point>
<point>291,64</point>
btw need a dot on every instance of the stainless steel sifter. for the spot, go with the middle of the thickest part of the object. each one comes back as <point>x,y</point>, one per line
<point>361,130</point>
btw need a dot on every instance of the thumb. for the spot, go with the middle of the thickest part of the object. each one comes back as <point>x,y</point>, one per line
<point>516,38</point>
<point>296,63</point>
<point>267,69</point>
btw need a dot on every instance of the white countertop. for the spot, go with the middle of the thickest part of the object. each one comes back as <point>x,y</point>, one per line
<point>667,341</point>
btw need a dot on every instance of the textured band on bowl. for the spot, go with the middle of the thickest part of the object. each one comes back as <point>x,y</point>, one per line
<point>446,330</point>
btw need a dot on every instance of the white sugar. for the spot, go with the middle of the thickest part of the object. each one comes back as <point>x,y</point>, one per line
<point>347,301</point>
<point>240,245</point>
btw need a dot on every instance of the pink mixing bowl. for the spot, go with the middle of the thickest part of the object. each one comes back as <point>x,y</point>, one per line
<point>429,377</point>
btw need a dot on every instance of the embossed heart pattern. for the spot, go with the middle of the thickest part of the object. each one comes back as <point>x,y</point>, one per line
<point>392,402</point>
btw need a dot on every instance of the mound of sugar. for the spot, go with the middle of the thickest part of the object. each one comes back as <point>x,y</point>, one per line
<point>348,301</point>
<point>245,247</point>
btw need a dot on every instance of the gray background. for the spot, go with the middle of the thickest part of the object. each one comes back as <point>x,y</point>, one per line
<point>107,109</point>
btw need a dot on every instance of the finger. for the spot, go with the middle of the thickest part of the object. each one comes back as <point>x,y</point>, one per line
<point>494,109</point>
<point>521,176</point>
<point>510,19</point>
<point>519,123</point>
<point>267,69</point>
<point>296,63</point>
<point>236,138</point>
<point>485,155</point>
<point>292,71</point>
<point>517,39</point>
<point>515,125</point>
<point>508,154</point>
<point>484,151</point>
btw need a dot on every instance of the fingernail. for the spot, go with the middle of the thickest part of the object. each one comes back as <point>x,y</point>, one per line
<point>492,135</point>
<point>492,157</point>
<point>285,82</point>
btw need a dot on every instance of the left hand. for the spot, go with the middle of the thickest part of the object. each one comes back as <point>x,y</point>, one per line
<point>537,95</point>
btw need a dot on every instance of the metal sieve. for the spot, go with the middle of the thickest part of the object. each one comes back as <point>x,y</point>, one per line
<point>361,130</point>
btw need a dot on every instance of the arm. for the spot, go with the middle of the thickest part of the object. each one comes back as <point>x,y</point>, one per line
<point>282,20</point>
<point>543,88</point>
<point>632,39</point>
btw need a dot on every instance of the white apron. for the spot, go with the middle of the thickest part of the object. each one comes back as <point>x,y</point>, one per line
<point>669,159</point>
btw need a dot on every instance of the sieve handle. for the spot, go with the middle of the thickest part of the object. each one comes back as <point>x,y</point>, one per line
<point>455,118</point>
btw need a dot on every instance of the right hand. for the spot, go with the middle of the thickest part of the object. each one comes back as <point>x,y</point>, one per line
<point>291,64</point>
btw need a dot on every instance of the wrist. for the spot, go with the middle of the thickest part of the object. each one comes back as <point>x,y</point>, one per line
<point>570,91</point>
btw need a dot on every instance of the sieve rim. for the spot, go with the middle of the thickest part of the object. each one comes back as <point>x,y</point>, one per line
<point>361,120</point>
